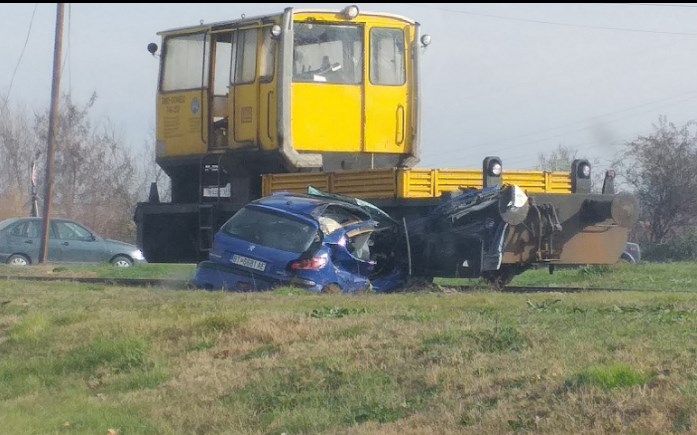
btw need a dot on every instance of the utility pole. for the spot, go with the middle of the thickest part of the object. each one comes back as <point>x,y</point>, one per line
<point>53,117</point>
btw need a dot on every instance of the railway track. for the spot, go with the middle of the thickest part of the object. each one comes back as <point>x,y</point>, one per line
<point>186,284</point>
<point>123,282</point>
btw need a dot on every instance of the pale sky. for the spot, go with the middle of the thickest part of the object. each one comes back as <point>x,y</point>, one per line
<point>512,80</point>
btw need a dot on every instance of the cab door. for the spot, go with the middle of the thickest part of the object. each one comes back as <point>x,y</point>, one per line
<point>268,91</point>
<point>182,104</point>
<point>221,46</point>
<point>244,89</point>
<point>387,112</point>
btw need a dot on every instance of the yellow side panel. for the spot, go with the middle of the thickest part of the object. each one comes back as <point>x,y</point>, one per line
<point>179,123</point>
<point>388,126</point>
<point>450,180</point>
<point>375,184</point>
<point>410,183</point>
<point>326,117</point>
<point>295,183</point>
<point>539,181</point>
<point>246,113</point>
<point>432,183</point>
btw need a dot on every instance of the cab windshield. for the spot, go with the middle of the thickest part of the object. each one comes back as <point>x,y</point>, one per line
<point>327,53</point>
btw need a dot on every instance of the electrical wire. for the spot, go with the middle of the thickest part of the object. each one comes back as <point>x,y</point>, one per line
<point>665,5</point>
<point>555,23</point>
<point>21,55</point>
<point>682,98</point>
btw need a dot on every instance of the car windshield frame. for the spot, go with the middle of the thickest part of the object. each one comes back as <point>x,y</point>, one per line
<point>272,228</point>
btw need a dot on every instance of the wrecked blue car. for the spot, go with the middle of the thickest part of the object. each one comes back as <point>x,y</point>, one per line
<point>320,242</point>
<point>332,243</point>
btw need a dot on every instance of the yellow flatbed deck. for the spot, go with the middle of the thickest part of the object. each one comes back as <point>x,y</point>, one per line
<point>396,183</point>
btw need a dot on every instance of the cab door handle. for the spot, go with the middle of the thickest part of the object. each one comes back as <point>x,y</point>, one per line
<point>399,127</point>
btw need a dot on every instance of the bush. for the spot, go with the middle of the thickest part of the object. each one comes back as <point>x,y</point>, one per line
<point>679,249</point>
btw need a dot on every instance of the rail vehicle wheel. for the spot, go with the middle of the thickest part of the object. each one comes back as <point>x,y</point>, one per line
<point>499,279</point>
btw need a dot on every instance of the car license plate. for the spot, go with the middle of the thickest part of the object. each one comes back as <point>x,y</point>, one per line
<point>248,262</point>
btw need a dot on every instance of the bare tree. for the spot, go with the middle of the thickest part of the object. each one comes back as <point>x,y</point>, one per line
<point>561,159</point>
<point>18,148</point>
<point>662,168</point>
<point>98,179</point>
<point>151,172</point>
<point>95,179</point>
<point>558,160</point>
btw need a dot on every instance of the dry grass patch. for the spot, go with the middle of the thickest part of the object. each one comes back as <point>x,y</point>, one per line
<point>157,361</point>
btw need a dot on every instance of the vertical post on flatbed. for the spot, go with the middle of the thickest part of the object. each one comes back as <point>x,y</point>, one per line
<point>406,234</point>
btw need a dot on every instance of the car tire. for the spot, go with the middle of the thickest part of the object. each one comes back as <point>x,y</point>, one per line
<point>18,260</point>
<point>121,261</point>
<point>626,259</point>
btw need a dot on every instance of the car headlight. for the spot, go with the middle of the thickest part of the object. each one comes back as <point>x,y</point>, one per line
<point>137,255</point>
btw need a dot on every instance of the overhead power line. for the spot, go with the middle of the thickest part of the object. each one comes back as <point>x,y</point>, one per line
<point>586,124</point>
<point>26,40</point>
<point>555,23</point>
<point>664,5</point>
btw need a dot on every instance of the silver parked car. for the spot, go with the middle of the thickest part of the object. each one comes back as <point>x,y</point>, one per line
<point>69,242</point>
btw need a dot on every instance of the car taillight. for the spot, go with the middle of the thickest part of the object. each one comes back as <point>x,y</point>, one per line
<point>313,263</point>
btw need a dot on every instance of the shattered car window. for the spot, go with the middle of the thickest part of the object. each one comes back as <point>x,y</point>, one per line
<point>334,218</point>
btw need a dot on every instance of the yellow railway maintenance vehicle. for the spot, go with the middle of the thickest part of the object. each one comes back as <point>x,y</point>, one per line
<point>331,99</point>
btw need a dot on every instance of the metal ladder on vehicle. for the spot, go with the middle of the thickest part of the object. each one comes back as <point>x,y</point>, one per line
<point>207,210</point>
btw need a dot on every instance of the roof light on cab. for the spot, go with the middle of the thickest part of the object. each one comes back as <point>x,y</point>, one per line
<point>351,12</point>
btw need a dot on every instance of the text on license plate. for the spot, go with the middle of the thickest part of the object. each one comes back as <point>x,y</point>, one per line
<point>248,262</point>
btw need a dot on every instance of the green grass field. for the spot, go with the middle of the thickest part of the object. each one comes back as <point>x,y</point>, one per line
<point>86,359</point>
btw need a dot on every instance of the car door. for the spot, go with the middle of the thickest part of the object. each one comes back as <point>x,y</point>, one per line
<point>25,238</point>
<point>78,244</point>
<point>352,254</point>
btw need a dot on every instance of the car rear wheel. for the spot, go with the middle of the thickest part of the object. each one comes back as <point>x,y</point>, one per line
<point>121,261</point>
<point>18,260</point>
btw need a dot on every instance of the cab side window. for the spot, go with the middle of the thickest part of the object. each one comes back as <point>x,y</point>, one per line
<point>387,57</point>
<point>245,63</point>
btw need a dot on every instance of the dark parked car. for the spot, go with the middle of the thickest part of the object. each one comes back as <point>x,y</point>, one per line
<point>319,243</point>
<point>69,242</point>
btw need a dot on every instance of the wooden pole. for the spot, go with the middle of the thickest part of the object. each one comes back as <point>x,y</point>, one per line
<point>52,119</point>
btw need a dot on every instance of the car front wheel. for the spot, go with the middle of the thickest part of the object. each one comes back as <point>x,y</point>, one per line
<point>121,261</point>
<point>18,260</point>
